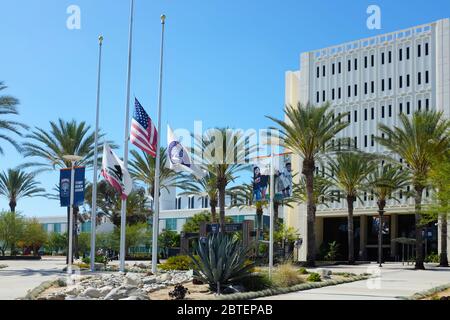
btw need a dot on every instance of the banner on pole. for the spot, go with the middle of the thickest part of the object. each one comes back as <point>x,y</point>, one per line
<point>283,178</point>
<point>65,184</point>
<point>261,177</point>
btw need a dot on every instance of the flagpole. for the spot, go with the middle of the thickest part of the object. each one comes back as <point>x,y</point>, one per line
<point>123,222</point>
<point>94,183</point>
<point>158,157</point>
<point>272,197</point>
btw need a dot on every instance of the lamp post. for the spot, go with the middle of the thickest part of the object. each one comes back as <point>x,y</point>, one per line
<point>73,159</point>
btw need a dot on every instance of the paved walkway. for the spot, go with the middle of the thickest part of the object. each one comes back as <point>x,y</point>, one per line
<point>394,281</point>
<point>21,276</point>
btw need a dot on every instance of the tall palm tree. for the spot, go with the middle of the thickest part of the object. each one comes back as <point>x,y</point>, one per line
<point>308,132</point>
<point>64,138</point>
<point>142,168</point>
<point>8,106</point>
<point>418,141</point>
<point>16,184</point>
<point>202,187</point>
<point>384,182</point>
<point>223,155</point>
<point>350,170</point>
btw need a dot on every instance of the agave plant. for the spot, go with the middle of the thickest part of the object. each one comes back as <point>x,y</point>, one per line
<point>221,261</point>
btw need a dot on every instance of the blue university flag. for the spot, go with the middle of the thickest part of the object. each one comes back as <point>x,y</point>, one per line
<point>65,183</point>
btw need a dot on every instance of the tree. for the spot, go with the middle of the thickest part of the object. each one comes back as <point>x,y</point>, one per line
<point>203,187</point>
<point>168,239</point>
<point>8,106</point>
<point>350,170</point>
<point>308,132</point>
<point>224,154</point>
<point>136,235</point>
<point>11,230</point>
<point>64,138</point>
<point>34,236</point>
<point>142,168</point>
<point>383,183</point>
<point>110,204</point>
<point>440,180</point>
<point>57,242</point>
<point>192,225</point>
<point>418,141</point>
<point>16,184</point>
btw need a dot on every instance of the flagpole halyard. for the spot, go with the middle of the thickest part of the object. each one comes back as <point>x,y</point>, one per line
<point>94,183</point>
<point>123,218</point>
<point>158,158</point>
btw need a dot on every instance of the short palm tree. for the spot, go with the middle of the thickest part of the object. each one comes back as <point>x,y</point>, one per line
<point>16,184</point>
<point>142,168</point>
<point>224,162</point>
<point>350,170</point>
<point>64,138</point>
<point>383,183</point>
<point>202,187</point>
<point>8,106</point>
<point>308,132</point>
<point>418,141</point>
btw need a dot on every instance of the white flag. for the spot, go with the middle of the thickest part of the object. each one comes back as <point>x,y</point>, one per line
<point>114,171</point>
<point>179,157</point>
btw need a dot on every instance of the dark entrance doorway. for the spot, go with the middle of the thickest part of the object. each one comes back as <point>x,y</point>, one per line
<point>336,229</point>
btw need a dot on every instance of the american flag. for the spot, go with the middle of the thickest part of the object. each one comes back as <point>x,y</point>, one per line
<point>143,132</point>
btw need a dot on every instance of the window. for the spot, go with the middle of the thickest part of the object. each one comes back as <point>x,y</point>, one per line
<point>382,112</point>
<point>419,105</point>
<point>401,108</point>
<point>191,203</point>
<point>365,141</point>
<point>318,72</point>
<point>365,114</point>
<point>349,65</point>
<point>372,60</point>
<point>427,77</point>
<point>382,85</point>
<point>419,78</point>
<point>356,64</point>
<point>390,83</point>
<point>372,140</point>
<point>427,104</point>
<point>339,67</point>
<point>427,49</point>
<point>355,141</point>
<point>323,71</point>
<point>333,68</point>
<point>372,113</point>
<point>171,224</point>
<point>408,82</point>
<point>178,203</point>
<point>323,96</point>
<point>365,88</point>
<point>356,90</point>
<point>407,53</point>
<point>372,85</point>
<point>400,54</point>
<point>332,94</point>
<point>390,111</point>
<point>365,62</point>
<point>317,97</point>
<point>400,82</point>
<point>356,115</point>
<point>390,56</point>
<point>349,117</point>
<point>339,93</point>
<point>408,107</point>
<point>419,50</point>
<point>57,227</point>
<point>382,57</point>
<point>349,91</point>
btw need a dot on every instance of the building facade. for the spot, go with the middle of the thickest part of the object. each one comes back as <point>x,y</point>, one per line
<point>374,80</point>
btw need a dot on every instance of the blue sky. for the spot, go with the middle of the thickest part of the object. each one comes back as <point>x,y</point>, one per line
<point>225,59</point>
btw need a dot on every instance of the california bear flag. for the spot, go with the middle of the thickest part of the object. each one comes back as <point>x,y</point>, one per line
<point>114,171</point>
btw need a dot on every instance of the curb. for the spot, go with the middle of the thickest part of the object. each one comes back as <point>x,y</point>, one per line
<point>427,293</point>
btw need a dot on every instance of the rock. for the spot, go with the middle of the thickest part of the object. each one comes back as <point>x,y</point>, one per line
<point>105,290</point>
<point>92,293</point>
<point>57,297</point>
<point>149,280</point>
<point>73,290</point>
<point>325,273</point>
<point>132,279</point>
<point>136,298</point>
<point>164,277</point>
<point>121,292</point>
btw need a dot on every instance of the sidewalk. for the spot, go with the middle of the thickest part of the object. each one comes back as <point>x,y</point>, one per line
<point>395,281</point>
<point>21,276</point>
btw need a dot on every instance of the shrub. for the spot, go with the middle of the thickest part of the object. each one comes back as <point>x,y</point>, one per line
<point>432,258</point>
<point>314,277</point>
<point>98,259</point>
<point>303,271</point>
<point>179,263</point>
<point>286,275</point>
<point>256,282</point>
<point>333,251</point>
<point>179,293</point>
<point>221,261</point>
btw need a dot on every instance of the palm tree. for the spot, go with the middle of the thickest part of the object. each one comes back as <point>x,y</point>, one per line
<point>205,187</point>
<point>418,141</point>
<point>64,138</point>
<point>225,162</point>
<point>8,106</point>
<point>307,132</point>
<point>383,183</point>
<point>16,184</point>
<point>350,170</point>
<point>142,168</point>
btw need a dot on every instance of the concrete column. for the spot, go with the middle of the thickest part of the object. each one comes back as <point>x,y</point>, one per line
<point>363,238</point>
<point>448,237</point>
<point>394,234</point>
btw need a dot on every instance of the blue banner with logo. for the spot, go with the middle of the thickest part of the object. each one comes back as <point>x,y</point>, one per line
<point>65,183</point>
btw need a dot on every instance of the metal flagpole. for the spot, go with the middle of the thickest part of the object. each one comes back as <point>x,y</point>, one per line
<point>94,183</point>
<point>123,222</point>
<point>72,196</point>
<point>158,158</point>
<point>272,196</point>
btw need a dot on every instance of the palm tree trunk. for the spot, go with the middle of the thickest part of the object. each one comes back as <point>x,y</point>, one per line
<point>419,228</point>
<point>381,205</point>
<point>308,172</point>
<point>351,244</point>
<point>12,205</point>
<point>221,188</point>
<point>443,258</point>
<point>213,205</point>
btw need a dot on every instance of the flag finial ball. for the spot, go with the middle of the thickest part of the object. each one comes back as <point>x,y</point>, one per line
<point>100,38</point>
<point>163,18</point>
